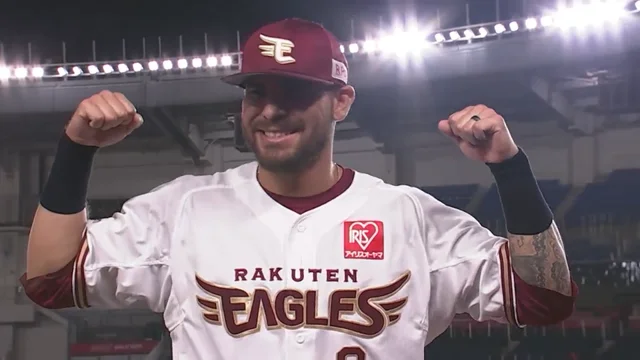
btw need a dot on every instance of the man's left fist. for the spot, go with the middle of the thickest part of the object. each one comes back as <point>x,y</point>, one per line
<point>481,134</point>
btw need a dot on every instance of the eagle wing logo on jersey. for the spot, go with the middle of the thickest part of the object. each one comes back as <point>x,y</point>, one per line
<point>364,239</point>
<point>278,49</point>
<point>242,313</point>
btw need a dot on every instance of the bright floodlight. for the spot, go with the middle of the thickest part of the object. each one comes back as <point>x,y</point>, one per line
<point>212,61</point>
<point>483,32</point>
<point>153,65</point>
<point>167,65</point>
<point>93,69</point>
<point>637,5</point>
<point>408,41</point>
<point>5,73</point>
<point>342,49</point>
<point>499,28</point>
<point>196,63</point>
<point>468,34</point>
<point>440,38</point>
<point>21,73</point>
<point>454,35</point>
<point>546,21</point>
<point>76,70</point>
<point>62,71</point>
<point>513,26</point>
<point>108,69</point>
<point>37,72</point>
<point>588,14</point>
<point>531,23</point>
<point>137,67</point>
<point>123,68</point>
<point>354,48</point>
<point>369,46</point>
<point>226,60</point>
<point>182,63</point>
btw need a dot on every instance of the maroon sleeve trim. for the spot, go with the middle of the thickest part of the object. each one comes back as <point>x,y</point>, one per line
<point>51,291</point>
<point>79,279</point>
<point>525,304</point>
<point>506,276</point>
<point>65,288</point>
<point>541,307</point>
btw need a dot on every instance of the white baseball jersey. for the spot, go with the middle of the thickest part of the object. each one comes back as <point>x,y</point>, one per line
<point>376,273</point>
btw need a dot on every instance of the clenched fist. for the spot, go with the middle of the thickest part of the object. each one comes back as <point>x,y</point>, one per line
<point>103,119</point>
<point>480,133</point>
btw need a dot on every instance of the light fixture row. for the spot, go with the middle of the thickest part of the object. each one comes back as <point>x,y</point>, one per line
<point>397,42</point>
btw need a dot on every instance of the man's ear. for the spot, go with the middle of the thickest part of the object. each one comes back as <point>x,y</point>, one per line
<point>344,98</point>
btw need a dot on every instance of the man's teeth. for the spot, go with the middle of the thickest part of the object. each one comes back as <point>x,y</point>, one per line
<point>272,134</point>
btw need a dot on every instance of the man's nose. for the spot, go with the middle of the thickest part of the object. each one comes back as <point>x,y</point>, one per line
<point>272,112</point>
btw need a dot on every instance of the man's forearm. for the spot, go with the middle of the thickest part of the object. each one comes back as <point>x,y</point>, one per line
<point>535,245</point>
<point>540,260</point>
<point>54,241</point>
<point>56,232</point>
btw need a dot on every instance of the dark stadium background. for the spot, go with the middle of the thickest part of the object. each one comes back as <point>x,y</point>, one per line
<point>602,225</point>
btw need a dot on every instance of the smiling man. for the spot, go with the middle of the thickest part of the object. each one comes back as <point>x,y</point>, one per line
<point>294,256</point>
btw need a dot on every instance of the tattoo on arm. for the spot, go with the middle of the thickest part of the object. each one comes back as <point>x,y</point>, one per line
<point>540,260</point>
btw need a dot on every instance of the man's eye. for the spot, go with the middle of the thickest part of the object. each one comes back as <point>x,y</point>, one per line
<point>253,93</point>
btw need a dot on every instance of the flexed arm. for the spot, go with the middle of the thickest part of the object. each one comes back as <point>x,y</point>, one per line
<point>60,220</point>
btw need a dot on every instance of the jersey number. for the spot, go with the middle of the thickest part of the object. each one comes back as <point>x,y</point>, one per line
<point>351,353</point>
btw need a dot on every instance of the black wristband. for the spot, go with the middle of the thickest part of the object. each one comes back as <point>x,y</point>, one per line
<point>526,212</point>
<point>66,189</point>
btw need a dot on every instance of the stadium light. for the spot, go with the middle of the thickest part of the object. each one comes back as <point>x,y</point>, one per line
<point>369,46</point>
<point>546,21</point>
<point>399,41</point>
<point>5,73</point>
<point>153,65</point>
<point>212,61</point>
<point>37,72</point>
<point>21,72</point>
<point>469,34</point>
<point>226,60</point>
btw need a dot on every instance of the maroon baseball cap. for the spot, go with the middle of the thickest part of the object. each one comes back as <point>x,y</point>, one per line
<point>293,48</point>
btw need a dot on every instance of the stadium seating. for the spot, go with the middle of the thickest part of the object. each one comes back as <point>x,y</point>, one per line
<point>601,221</point>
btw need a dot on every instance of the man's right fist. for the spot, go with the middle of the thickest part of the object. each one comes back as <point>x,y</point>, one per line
<point>103,119</point>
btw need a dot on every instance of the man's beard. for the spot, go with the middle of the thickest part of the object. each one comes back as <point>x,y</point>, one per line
<point>303,157</point>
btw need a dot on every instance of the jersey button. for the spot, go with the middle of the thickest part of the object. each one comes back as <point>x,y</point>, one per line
<point>300,338</point>
<point>301,228</point>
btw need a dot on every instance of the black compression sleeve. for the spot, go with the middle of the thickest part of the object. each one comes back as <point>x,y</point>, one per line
<point>66,189</point>
<point>525,210</point>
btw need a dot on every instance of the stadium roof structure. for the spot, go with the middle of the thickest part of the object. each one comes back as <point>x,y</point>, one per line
<point>558,59</point>
<point>395,43</point>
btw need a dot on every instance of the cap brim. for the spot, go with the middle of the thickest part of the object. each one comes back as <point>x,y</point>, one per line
<point>239,79</point>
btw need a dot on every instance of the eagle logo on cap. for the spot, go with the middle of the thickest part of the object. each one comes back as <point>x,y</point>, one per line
<point>277,48</point>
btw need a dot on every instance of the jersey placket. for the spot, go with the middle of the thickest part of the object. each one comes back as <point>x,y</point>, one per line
<point>300,258</point>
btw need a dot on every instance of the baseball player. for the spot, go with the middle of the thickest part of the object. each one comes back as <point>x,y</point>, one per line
<point>294,256</point>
